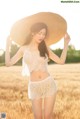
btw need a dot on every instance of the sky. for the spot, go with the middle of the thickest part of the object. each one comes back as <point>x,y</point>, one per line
<point>13,10</point>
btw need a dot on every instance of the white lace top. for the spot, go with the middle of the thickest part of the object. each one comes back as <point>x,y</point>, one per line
<point>32,61</point>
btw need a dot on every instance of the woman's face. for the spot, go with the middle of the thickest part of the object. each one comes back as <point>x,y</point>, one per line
<point>38,37</point>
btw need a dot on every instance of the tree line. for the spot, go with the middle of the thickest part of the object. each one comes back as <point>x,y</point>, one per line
<point>73,55</point>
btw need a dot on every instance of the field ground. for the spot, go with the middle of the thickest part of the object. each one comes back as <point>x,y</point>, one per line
<point>13,92</point>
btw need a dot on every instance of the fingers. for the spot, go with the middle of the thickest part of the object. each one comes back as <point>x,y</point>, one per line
<point>67,36</point>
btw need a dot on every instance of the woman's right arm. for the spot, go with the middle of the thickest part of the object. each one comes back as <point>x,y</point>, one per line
<point>62,58</point>
<point>10,61</point>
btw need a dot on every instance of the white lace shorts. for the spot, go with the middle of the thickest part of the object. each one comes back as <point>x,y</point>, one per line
<point>41,89</point>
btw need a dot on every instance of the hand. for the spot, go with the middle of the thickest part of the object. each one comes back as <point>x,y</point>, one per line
<point>66,39</point>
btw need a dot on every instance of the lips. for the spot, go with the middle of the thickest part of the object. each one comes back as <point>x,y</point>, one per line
<point>40,39</point>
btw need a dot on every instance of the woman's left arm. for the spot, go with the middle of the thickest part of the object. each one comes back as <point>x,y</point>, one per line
<point>62,58</point>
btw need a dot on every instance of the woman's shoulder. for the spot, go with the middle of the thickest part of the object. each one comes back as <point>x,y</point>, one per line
<point>24,48</point>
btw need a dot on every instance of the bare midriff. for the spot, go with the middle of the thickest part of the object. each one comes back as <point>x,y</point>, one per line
<point>38,75</point>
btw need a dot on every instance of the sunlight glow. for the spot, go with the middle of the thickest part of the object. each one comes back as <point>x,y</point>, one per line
<point>9,14</point>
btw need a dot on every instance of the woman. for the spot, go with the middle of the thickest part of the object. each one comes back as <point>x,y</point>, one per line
<point>35,54</point>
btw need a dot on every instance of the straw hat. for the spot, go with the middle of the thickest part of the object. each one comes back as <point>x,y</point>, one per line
<point>57,27</point>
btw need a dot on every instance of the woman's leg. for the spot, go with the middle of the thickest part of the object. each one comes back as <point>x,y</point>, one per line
<point>37,108</point>
<point>48,106</point>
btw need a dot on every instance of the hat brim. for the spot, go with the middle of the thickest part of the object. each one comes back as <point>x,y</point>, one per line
<point>57,27</point>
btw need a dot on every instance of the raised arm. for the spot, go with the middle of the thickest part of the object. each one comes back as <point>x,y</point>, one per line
<point>10,61</point>
<point>62,58</point>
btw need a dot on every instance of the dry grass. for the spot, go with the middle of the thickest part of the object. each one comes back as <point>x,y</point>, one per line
<point>13,92</point>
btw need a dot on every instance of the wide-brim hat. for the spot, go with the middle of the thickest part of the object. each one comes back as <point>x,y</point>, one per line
<point>57,27</point>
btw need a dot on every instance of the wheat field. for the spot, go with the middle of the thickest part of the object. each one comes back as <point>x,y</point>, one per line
<point>13,92</point>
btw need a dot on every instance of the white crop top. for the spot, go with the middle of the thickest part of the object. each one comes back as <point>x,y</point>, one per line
<point>32,61</point>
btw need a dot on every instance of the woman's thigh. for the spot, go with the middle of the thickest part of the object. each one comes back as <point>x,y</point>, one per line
<point>49,104</point>
<point>37,107</point>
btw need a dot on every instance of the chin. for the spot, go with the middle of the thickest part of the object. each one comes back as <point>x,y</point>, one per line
<point>39,42</point>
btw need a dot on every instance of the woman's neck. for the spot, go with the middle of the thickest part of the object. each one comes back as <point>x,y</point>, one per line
<point>33,45</point>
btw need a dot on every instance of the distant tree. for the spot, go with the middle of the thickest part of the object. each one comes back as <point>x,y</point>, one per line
<point>71,50</point>
<point>1,56</point>
<point>58,51</point>
<point>73,55</point>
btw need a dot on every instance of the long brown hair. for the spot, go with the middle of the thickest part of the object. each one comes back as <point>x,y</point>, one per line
<point>42,46</point>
